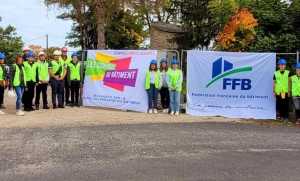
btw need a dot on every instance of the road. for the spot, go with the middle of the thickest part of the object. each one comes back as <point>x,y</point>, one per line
<point>162,151</point>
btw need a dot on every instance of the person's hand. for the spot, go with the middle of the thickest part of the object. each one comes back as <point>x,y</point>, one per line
<point>173,88</point>
<point>274,94</point>
<point>159,88</point>
<point>57,78</point>
<point>289,94</point>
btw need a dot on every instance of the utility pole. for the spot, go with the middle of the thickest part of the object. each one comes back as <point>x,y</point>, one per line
<point>47,46</point>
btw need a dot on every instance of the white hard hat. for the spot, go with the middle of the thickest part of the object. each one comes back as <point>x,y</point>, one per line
<point>56,52</point>
<point>11,94</point>
<point>41,53</point>
<point>26,48</point>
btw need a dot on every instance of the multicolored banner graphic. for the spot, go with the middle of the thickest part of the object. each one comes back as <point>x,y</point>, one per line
<point>115,78</point>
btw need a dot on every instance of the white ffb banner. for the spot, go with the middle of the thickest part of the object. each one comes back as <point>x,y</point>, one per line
<point>115,79</point>
<point>235,85</point>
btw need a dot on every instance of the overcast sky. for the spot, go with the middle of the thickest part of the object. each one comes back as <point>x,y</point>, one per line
<point>33,21</point>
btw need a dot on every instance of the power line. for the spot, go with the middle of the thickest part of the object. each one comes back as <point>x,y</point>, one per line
<point>34,39</point>
<point>57,37</point>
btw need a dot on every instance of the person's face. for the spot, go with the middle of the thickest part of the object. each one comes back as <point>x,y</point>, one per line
<point>56,57</point>
<point>2,61</point>
<point>175,66</point>
<point>281,66</point>
<point>153,66</point>
<point>19,61</point>
<point>163,65</point>
<point>30,59</point>
<point>26,52</point>
<point>64,53</point>
<point>298,71</point>
<point>74,59</point>
<point>42,57</point>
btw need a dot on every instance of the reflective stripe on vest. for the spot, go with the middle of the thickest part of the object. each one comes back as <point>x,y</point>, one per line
<point>295,86</point>
<point>174,78</point>
<point>75,71</point>
<point>43,70</point>
<point>30,71</point>
<point>282,81</point>
<point>17,77</point>
<point>147,79</point>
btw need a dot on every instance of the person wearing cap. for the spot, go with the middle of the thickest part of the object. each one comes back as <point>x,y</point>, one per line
<point>4,76</point>
<point>295,79</point>
<point>174,80</point>
<point>152,86</point>
<point>74,78</point>
<point>25,52</point>
<point>30,67</point>
<point>282,89</point>
<point>57,71</point>
<point>43,77</point>
<point>66,59</point>
<point>17,81</point>
<point>164,91</point>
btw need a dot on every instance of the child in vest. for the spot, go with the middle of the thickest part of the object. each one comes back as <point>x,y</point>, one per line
<point>74,77</point>
<point>42,86</point>
<point>296,92</point>
<point>164,91</point>
<point>31,70</point>
<point>174,81</point>
<point>152,86</point>
<point>281,90</point>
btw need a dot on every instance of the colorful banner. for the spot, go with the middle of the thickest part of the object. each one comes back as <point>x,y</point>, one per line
<point>235,85</point>
<point>115,79</point>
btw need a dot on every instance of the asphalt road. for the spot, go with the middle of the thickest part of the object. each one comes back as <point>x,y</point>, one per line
<point>175,151</point>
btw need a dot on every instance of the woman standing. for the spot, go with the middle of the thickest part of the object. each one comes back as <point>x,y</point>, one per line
<point>164,91</point>
<point>152,86</point>
<point>296,92</point>
<point>174,81</point>
<point>74,79</point>
<point>3,80</point>
<point>17,79</point>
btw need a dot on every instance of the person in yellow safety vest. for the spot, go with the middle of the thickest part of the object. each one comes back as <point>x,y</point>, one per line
<point>164,91</point>
<point>30,67</point>
<point>57,71</point>
<point>174,81</point>
<point>17,81</point>
<point>66,59</point>
<point>42,86</point>
<point>74,77</point>
<point>282,89</point>
<point>152,86</point>
<point>4,76</point>
<point>296,92</point>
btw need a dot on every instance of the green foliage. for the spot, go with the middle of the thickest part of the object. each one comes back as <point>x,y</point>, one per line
<point>10,44</point>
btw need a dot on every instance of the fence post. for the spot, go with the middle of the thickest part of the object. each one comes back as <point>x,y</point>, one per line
<point>297,56</point>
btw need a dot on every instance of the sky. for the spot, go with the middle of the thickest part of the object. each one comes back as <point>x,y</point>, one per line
<point>33,21</point>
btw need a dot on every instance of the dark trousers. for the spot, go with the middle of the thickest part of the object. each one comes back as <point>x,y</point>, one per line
<point>75,85</point>
<point>1,95</point>
<point>29,95</point>
<point>41,88</point>
<point>165,97</point>
<point>57,88</point>
<point>283,106</point>
<point>66,95</point>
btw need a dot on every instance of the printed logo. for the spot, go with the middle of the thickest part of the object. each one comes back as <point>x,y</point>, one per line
<point>227,68</point>
<point>114,72</point>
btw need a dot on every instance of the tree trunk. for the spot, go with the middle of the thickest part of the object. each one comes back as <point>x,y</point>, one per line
<point>100,8</point>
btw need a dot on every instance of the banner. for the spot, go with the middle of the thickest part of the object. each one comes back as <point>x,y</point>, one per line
<point>234,85</point>
<point>115,79</point>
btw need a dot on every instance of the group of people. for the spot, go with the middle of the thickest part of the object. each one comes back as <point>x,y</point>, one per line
<point>29,78</point>
<point>166,81</point>
<point>285,86</point>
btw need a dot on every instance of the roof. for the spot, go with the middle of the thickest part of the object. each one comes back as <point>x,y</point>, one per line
<point>166,27</point>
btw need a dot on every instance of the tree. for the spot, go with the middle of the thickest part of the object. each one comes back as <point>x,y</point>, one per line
<point>36,49</point>
<point>239,32</point>
<point>10,44</point>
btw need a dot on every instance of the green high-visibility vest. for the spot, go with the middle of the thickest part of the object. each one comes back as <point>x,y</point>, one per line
<point>67,61</point>
<point>147,79</point>
<point>1,73</point>
<point>295,86</point>
<point>174,78</point>
<point>30,71</point>
<point>56,65</point>
<point>43,70</point>
<point>282,81</point>
<point>75,71</point>
<point>17,76</point>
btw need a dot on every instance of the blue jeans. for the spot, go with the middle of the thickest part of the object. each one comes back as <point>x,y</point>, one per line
<point>152,97</point>
<point>19,91</point>
<point>175,100</point>
<point>57,90</point>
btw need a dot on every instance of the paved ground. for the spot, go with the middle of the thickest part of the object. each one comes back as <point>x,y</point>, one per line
<point>160,151</point>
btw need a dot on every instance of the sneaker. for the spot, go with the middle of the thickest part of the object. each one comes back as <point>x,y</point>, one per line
<point>167,110</point>
<point>61,106</point>
<point>297,122</point>
<point>150,111</point>
<point>78,105</point>
<point>176,113</point>
<point>172,113</point>
<point>27,109</point>
<point>164,111</point>
<point>1,112</point>
<point>20,113</point>
<point>54,106</point>
<point>155,111</point>
<point>45,107</point>
<point>31,108</point>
